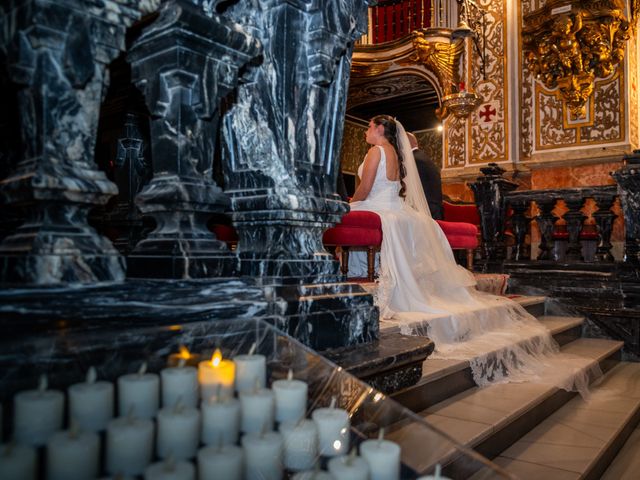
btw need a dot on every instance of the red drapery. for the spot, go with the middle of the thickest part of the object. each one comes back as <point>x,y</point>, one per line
<point>394,19</point>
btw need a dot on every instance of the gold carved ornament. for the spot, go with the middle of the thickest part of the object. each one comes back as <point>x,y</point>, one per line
<point>569,50</point>
<point>443,59</point>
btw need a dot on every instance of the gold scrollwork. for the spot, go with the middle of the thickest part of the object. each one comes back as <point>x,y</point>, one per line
<point>570,49</point>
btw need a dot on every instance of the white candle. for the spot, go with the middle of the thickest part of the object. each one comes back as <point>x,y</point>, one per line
<point>313,475</point>
<point>291,398</point>
<point>37,414</point>
<point>300,444</point>
<point>263,456</point>
<point>178,432</point>
<point>129,445</point>
<point>217,462</point>
<point>383,458</point>
<point>138,394</point>
<point>216,375</point>
<point>169,470</point>
<point>17,462</point>
<point>179,383</point>
<point>251,371</point>
<point>91,403</point>
<point>220,421</point>
<point>348,467</point>
<point>333,430</point>
<point>73,455</point>
<point>256,411</point>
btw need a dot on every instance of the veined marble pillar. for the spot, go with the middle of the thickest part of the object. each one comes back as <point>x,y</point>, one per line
<point>57,53</point>
<point>628,179</point>
<point>185,63</point>
<point>282,134</point>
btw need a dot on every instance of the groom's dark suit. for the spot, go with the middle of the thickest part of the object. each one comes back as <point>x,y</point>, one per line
<point>431,182</point>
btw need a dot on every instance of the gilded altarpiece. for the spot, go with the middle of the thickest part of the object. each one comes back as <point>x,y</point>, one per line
<point>354,148</point>
<point>546,121</point>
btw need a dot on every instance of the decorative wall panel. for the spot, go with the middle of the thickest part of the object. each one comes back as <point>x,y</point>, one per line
<point>488,127</point>
<point>634,127</point>
<point>354,147</point>
<point>431,142</point>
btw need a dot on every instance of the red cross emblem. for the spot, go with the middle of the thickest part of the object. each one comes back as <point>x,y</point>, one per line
<point>487,113</point>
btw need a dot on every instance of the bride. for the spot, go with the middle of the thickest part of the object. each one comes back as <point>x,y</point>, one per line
<point>422,289</point>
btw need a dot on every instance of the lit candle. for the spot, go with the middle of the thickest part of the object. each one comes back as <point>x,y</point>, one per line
<point>73,455</point>
<point>91,403</point>
<point>256,410</point>
<point>17,462</point>
<point>129,445</point>
<point>313,475</point>
<point>383,458</point>
<point>37,414</point>
<point>333,430</point>
<point>138,393</point>
<point>220,421</point>
<point>348,467</point>
<point>251,370</point>
<point>291,398</point>
<point>178,432</point>
<point>217,462</point>
<point>179,382</point>
<point>263,456</point>
<point>214,372</point>
<point>300,444</point>
<point>170,470</point>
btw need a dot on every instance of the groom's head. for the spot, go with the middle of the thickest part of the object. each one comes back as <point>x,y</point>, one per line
<point>413,141</point>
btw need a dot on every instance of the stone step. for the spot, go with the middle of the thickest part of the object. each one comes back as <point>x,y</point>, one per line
<point>492,418</point>
<point>579,440</point>
<point>443,378</point>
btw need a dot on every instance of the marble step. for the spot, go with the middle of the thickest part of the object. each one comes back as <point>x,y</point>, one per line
<point>492,418</point>
<point>442,378</point>
<point>580,440</point>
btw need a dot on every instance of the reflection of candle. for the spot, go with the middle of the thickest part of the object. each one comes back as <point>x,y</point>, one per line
<point>37,414</point>
<point>214,372</point>
<point>436,475</point>
<point>138,393</point>
<point>91,403</point>
<point>73,455</point>
<point>300,443</point>
<point>178,432</point>
<point>220,421</point>
<point>17,462</point>
<point>383,458</point>
<point>291,398</point>
<point>313,475</point>
<point>184,355</point>
<point>129,445</point>
<point>263,456</point>
<point>170,470</point>
<point>256,413</point>
<point>333,430</point>
<point>251,371</point>
<point>179,383</point>
<point>348,467</point>
<point>217,462</point>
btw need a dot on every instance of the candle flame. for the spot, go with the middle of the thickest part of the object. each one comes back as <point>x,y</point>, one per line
<point>216,358</point>
<point>184,352</point>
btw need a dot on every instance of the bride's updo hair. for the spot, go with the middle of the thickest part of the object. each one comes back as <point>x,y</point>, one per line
<point>391,134</point>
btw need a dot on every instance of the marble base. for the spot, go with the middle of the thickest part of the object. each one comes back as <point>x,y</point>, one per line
<point>392,363</point>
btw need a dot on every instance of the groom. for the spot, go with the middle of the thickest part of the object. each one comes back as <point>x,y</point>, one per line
<point>430,178</point>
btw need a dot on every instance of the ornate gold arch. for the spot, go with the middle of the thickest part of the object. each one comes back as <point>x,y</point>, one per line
<point>432,53</point>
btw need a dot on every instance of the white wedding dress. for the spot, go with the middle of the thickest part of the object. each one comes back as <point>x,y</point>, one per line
<point>422,290</point>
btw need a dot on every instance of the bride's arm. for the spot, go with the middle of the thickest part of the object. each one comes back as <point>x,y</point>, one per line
<point>369,170</point>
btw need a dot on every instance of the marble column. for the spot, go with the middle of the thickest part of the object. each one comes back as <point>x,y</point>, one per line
<point>628,179</point>
<point>282,136</point>
<point>575,219</point>
<point>520,226</point>
<point>489,191</point>
<point>546,221</point>
<point>185,63</point>
<point>604,218</point>
<point>57,53</point>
